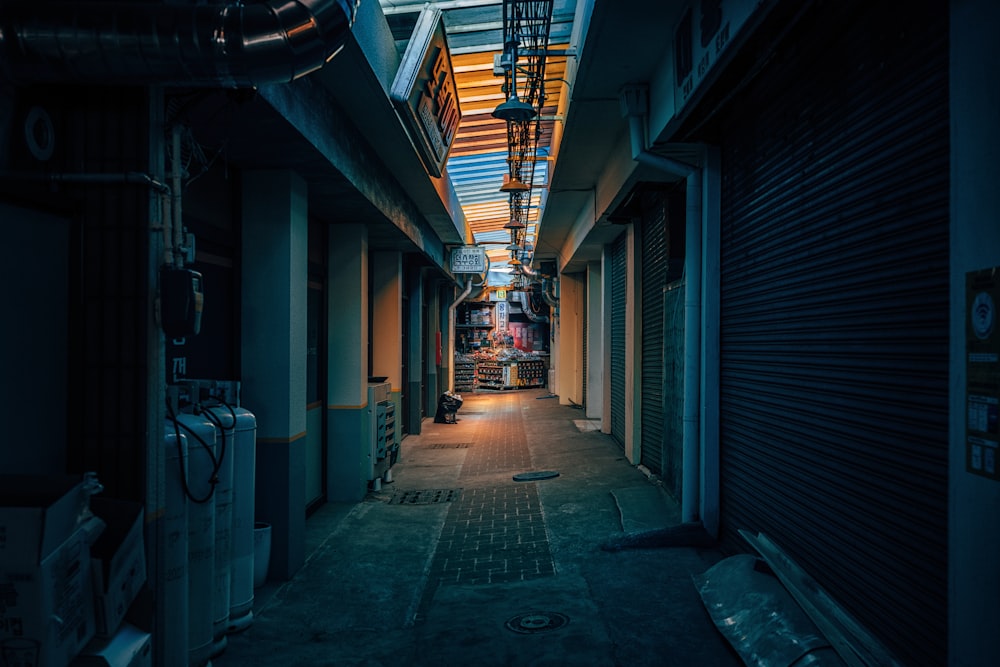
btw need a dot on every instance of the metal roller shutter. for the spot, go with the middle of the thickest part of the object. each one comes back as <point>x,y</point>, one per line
<point>834,331</point>
<point>654,278</point>
<point>619,269</point>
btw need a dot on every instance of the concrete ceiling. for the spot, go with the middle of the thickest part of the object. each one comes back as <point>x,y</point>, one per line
<point>623,43</point>
<point>597,48</point>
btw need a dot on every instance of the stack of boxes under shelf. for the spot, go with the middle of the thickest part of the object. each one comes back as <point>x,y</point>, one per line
<point>465,373</point>
<point>510,374</point>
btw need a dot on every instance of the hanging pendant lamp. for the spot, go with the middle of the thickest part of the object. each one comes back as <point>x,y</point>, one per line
<point>514,110</point>
<point>514,184</point>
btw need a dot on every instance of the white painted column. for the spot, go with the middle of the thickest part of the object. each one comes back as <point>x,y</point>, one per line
<point>273,331</point>
<point>595,341</point>
<point>387,317</point>
<point>569,365</point>
<point>348,430</point>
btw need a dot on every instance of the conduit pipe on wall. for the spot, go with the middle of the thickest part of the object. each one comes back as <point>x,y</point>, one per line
<point>220,44</point>
<point>548,292</point>
<point>122,178</point>
<point>637,133</point>
<point>451,333</point>
<point>176,234</point>
<point>634,107</point>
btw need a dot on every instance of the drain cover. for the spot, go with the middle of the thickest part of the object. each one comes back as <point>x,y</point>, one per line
<point>425,496</point>
<point>532,476</point>
<point>536,621</point>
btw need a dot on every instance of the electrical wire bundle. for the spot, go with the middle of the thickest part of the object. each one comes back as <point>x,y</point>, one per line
<point>207,413</point>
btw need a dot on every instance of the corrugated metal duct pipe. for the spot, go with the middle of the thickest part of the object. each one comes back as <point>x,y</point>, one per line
<point>221,44</point>
<point>548,292</point>
<point>525,300</point>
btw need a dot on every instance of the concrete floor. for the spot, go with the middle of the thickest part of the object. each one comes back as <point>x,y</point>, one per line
<point>475,568</point>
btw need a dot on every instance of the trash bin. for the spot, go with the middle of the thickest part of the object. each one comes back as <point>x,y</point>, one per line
<point>448,405</point>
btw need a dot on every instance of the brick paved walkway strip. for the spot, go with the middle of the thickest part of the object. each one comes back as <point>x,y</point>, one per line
<point>493,534</point>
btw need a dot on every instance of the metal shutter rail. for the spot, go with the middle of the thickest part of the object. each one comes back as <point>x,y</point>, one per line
<point>834,326</point>
<point>673,390</point>
<point>619,269</point>
<point>654,277</point>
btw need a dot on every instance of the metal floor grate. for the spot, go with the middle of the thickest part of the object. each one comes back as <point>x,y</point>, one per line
<point>425,496</point>
<point>447,445</point>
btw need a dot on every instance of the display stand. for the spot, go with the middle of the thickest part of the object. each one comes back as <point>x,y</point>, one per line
<point>474,324</point>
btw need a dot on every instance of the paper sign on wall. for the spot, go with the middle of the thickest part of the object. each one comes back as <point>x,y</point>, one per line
<point>982,393</point>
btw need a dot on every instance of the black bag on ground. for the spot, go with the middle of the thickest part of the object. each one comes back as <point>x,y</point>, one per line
<point>448,405</point>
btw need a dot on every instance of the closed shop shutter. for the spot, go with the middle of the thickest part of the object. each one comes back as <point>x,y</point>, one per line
<point>834,329</point>
<point>619,269</point>
<point>654,278</point>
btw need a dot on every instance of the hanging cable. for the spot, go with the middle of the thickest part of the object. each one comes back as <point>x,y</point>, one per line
<point>214,480</point>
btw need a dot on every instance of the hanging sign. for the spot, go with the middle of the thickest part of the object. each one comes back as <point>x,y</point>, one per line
<point>982,389</point>
<point>424,91</point>
<point>503,316</point>
<point>468,259</point>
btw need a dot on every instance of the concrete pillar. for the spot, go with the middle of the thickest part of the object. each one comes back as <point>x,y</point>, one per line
<point>387,320</point>
<point>569,363</point>
<point>594,372</point>
<point>274,274</point>
<point>348,428</point>
<point>415,349</point>
<point>446,296</point>
<point>434,349</point>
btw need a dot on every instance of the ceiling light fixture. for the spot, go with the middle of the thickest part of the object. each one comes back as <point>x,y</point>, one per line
<point>514,184</point>
<point>514,110</point>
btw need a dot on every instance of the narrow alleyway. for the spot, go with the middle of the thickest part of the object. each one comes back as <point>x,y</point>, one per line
<point>456,563</point>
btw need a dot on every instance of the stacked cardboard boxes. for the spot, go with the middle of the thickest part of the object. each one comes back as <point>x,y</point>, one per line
<point>118,571</point>
<point>46,597</point>
<point>70,567</point>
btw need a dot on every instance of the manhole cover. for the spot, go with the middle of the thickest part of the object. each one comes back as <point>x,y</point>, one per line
<point>425,496</point>
<point>536,621</point>
<point>532,476</point>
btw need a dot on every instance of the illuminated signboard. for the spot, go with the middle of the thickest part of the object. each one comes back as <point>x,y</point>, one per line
<point>424,92</point>
<point>468,259</point>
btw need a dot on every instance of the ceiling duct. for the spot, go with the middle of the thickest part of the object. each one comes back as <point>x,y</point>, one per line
<point>140,42</point>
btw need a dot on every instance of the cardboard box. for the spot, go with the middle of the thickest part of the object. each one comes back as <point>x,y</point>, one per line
<point>46,600</point>
<point>118,560</point>
<point>38,514</point>
<point>47,614</point>
<point>129,647</point>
